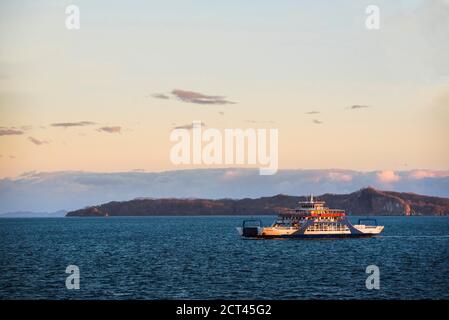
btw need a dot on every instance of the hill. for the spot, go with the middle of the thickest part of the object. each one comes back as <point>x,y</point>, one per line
<point>367,201</point>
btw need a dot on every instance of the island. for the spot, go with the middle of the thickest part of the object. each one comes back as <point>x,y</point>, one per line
<point>367,201</point>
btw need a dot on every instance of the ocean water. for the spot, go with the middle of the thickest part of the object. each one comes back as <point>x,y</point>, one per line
<point>204,258</point>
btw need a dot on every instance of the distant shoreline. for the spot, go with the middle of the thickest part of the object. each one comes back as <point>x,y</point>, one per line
<point>368,200</point>
<point>216,216</point>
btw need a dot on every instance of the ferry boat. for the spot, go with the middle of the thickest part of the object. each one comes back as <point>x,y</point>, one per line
<point>311,219</point>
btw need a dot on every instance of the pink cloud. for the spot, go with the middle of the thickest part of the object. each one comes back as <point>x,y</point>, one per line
<point>231,174</point>
<point>387,176</point>
<point>339,176</point>
<point>421,174</point>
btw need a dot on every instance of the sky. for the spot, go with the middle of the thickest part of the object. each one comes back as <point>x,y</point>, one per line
<point>105,98</point>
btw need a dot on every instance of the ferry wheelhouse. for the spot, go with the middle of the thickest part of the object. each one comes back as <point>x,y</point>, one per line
<point>311,219</point>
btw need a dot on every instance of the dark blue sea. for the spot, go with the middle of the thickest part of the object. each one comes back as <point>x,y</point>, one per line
<point>204,258</point>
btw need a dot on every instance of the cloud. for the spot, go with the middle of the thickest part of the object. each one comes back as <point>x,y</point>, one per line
<point>10,132</point>
<point>359,106</point>
<point>199,98</point>
<point>189,126</point>
<point>232,174</point>
<point>72,124</point>
<point>160,96</point>
<point>113,129</point>
<point>317,121</point>
<point>340,176</point>
<point>387,176</point>
<point>422,174</point>
<point>36,141</point>
<point>313,112</point>
<point>51,191</point>
<point>193,97</point>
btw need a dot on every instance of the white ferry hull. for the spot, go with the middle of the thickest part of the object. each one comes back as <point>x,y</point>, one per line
<point>357,231</point>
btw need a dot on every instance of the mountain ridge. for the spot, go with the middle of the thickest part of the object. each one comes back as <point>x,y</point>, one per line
<point>366,201</point>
